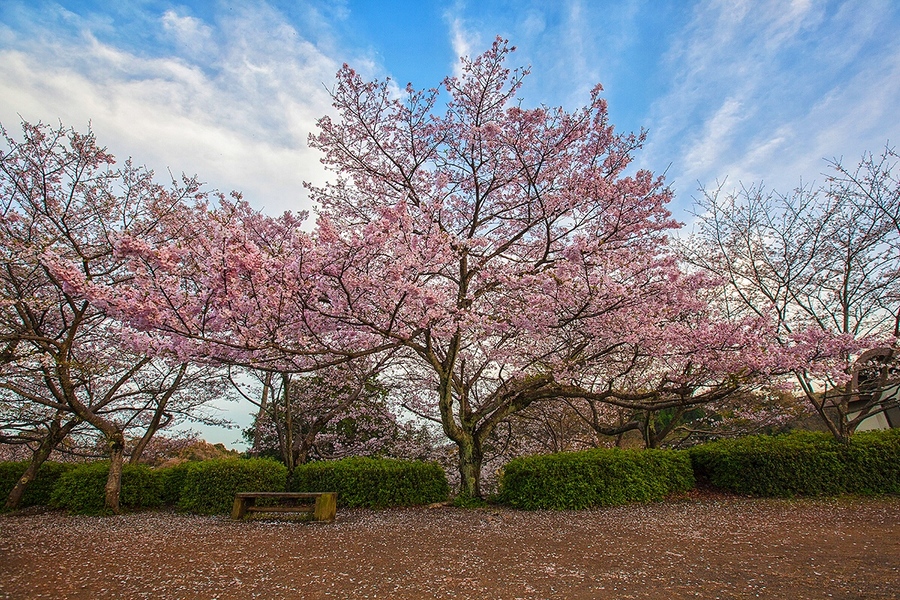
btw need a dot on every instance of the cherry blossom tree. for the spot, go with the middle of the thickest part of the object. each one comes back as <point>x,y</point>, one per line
<point>224,283</point>
<point>329,416</point>
<point>62,205</point>
<point>503,255</point>
<point>823,261</point>
<point>338,411</point>
<point>509,252</point>
<point>872,183</point>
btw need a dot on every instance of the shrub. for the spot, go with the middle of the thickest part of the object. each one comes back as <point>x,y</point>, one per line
<point>209,486</point>
<point>173,479</point>
<point>802,464</point>
<point>82,490</point>
<point>873,463</point>
<point>374,482</point>
<point>39,490</point>
<point>602,477</point>
<point>789,465</point>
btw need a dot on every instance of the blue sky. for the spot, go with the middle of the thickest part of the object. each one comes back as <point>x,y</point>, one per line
<point>751,91</point>
<point>746,91</point>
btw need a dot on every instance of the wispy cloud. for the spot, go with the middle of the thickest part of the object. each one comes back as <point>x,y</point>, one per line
<point>571,45</point>
<point>465,39</point>
<point>234,103</point>
<point>748,90</point>
<point>762,91</point>
<point>192,34</point>
<point>717,133</point>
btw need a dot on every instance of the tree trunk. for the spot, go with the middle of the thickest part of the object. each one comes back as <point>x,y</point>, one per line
<point>57,434</point>
<point>843,409</point>
<point>260,415</point>
<point>116,445</point>
<point>647,429</point>
<point>470,459</point>
<point>288,454</point>
<point>620,436</point>
<point>836,429</point>
<point>301,457</point>
<point>654,436</point>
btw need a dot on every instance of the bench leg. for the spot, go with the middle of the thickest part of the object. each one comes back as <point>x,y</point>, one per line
<point>239,510</point>
<point>326,507</point>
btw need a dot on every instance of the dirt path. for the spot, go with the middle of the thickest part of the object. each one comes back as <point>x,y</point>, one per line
<point>726,548</point>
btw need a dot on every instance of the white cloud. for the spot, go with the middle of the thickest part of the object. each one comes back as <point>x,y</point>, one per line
<point>460,41</point>
<point>532,23</point>
<point>567,44</point>
<point>240,122</point>
<point>764,91</point>
<point>190,33</point>
<point>465,42</point>
<point>751,90</point>
<point>717,133</point>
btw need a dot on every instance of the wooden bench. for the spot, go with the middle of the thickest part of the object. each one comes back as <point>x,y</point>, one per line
<point>323,509</point>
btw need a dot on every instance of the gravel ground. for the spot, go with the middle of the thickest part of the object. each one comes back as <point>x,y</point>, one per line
<point>692,548</point>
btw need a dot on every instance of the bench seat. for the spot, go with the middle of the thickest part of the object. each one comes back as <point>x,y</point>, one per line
<point>324,508</point>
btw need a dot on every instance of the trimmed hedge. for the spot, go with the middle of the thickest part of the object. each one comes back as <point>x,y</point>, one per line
<point>210,485</point>
<point>39,490</point>
<point>82,490</point>
<point>602,477</point>
<point>873,462</point>
<point>374,482</point>
<point>173,479</point>
<point>802,464</point>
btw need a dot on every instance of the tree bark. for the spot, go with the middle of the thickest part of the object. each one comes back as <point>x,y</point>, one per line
<point>289,429</point>
<point>116,444</point>
<point>55,435</point>
<point>260,415</point>
<point>653,436</point>
<point>470,460</point>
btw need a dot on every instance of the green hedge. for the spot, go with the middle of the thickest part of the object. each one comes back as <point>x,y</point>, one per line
<point>82,490</point>
<point>374,482</point>
<point>210,485</point>
<point>173,479</point>
<point>39,490</point>
<point>873,460</point>
<point>802,464</point>
<point>602,477</point>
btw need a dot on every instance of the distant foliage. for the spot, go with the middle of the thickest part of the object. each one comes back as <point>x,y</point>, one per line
<point>601,477</point>
<point>374,482</point>
<point>81,489</point>
<point>209,486</point>
<point>39,490</point>
<point>802,464</point>
<point>169,450</point>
